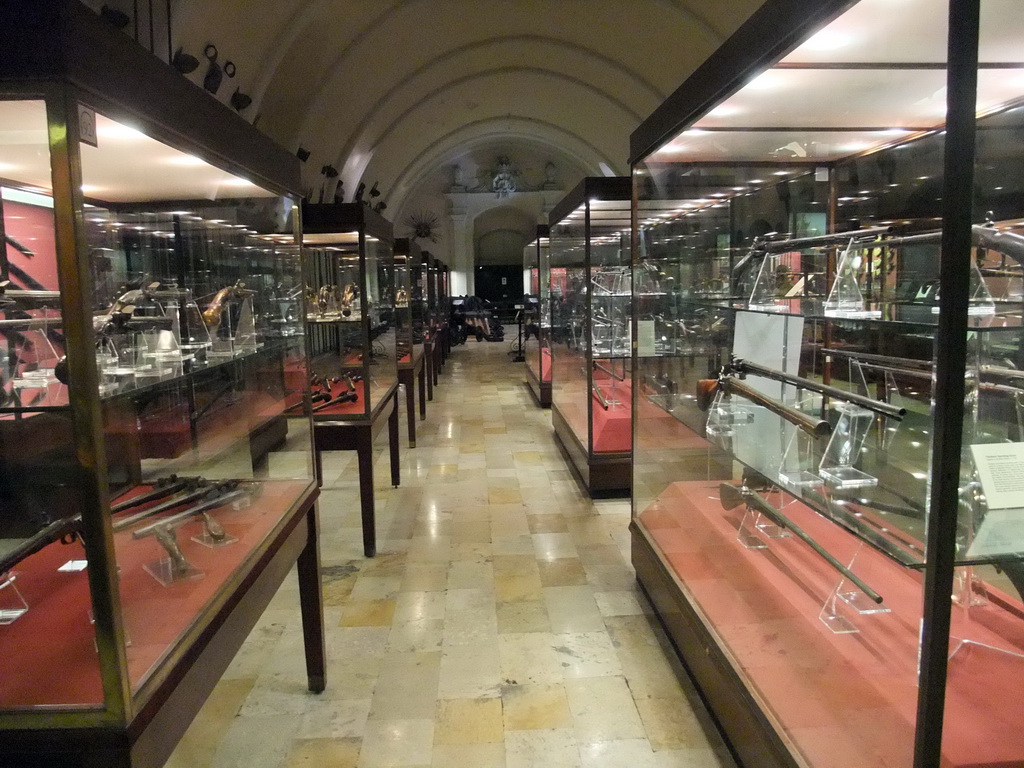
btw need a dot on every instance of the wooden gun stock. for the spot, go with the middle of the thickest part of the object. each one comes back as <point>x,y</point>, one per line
<point>707,388</point>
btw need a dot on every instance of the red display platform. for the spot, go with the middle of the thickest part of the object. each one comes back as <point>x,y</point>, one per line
<point>48,655</point>
<point>841,700</point>
<point>545,365</point>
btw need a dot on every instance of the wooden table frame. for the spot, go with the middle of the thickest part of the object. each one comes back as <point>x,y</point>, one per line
<point>358,436</point>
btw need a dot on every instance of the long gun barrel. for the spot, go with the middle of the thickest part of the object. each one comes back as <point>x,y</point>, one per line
<point>834,238</point>
<point>175,520</point>
<point>173,503</point>
<point>55,531</point>
<point>731,496</point>
<point>740,366</point>
<point>731,385</point>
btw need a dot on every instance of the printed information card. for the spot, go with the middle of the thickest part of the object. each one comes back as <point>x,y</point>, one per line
<point>1000,469</point>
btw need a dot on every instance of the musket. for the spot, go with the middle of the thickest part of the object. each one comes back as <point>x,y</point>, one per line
<point>165,486</point>
<point>769,244</point>
<point>199,491</point>
<point>65,528</point>
<point>180,518</point>
<point>988,237</point>
<point>707,388</point>
<point>743,367</point>
<point>732,496</point>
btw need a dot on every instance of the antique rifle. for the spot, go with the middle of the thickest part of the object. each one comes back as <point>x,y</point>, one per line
<point>731,496</point>
<point>180,518</point>
<point>730,385</point>
<point>742,367</point>
<point>66,529</point>
<point>193,492</point>
<point>162,488</point>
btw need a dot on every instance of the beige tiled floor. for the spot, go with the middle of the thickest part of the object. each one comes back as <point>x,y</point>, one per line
<point>500,625</point>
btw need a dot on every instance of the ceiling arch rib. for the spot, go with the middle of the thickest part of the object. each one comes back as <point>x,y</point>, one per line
<point>444,150</point>
<point>477,54</point>
<point>620,85</point>
<point>642,36</point>
<point>393,138</point>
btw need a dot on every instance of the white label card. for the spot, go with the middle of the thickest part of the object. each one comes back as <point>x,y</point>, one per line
<point>1000,469</point>
<point>645,338</point>
<point>1001,472</point>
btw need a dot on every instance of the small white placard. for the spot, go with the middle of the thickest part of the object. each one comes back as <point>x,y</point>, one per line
<point>1001,472</point>
<point>645,338</point>
<point>1000,533</point>
<point>1000,469</point>
<point>87,126</point>
<point>72,566</point>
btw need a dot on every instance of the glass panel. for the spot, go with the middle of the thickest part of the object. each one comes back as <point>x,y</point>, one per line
<point>44,591</point>
<point>986,651</point>
<point>609,326</point>
<point>785,405</point>
<point>403,310</point>
<point>569,333</point>
<point>535,269</point>
<point>381,287</point>
<point>201,353</point>
<point>335,304</point>
<point>544,308</point>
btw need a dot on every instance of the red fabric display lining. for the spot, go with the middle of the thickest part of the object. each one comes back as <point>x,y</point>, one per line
<point>845,699</point>
<point>48,655</point>
<point>613,427</point>
<point>545,365</point>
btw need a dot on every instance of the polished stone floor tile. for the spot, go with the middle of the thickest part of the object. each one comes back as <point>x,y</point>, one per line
<point>317,753</point>
<point>573,609</point>
<point>554,748</point>
<point>535,706</point>
<point>369,613</point>
<point>499,626</point>
<point>562,573</point>
<point>468,721</point>
<point>389,743</point>
<point>523,616</point>
<point>603,709</point>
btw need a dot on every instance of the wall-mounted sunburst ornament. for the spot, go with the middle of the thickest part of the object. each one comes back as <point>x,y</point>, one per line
<point>423,225</point>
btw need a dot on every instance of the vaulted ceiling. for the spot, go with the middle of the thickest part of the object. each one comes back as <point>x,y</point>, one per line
<point>392,90</point>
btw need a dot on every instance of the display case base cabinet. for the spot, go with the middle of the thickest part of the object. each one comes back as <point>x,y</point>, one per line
<point>359,437</point>
<point>151,736</point>
<point>748,732</point>
<point>541,390</point>
<point>599,473</point>
<point>412,375</point>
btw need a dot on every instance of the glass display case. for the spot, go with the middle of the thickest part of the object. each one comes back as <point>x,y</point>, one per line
<point>410,329</point>
<point>443,318</point>
<point>154,493</point>
<point>537,316</point>
<point>590,330</point>
<point>828,287</point>
<point>356,313</point>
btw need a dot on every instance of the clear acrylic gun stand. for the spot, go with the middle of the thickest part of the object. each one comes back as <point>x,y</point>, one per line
<point>12,604</point>
<point>846,603</point>
<point>844,449</point>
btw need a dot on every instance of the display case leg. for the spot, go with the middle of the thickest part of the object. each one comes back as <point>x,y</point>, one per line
<point>396,472</point>
<point>423,393</point>
<point>311,605</point>
<point>365,455</point>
